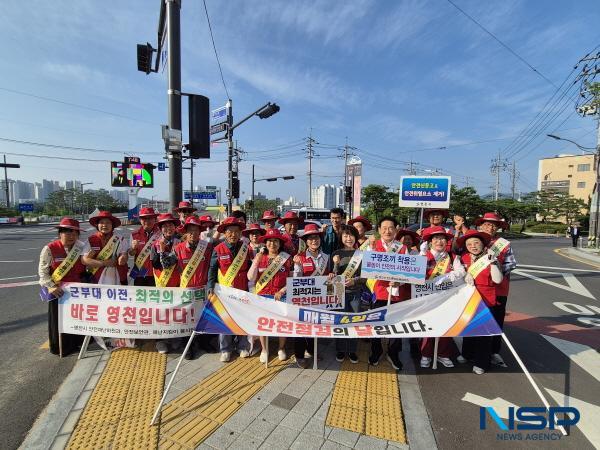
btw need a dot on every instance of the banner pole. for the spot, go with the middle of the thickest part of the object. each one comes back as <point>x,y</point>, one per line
<point>421,219</point>
<point>162,400</point>
<point>60,355</point>
<point>84,346</point>
<point>267,350</point>
<point>435,353</point>
<point>531,380</point>
<point>315,363</point>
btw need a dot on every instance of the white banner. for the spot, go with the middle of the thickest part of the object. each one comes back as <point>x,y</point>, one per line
<point>435,285</point>
<point>129,311</point>
<point>317,292</point>
<point>457,312</point>
<point>403,268</point>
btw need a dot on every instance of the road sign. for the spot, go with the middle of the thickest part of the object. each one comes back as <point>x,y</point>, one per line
<point>219,128</point>
<point>175,135</point>
<point>25,207</point>
<point>424,192</point>
<point>211,188</point>
<point>202,195</point>
<point>162,167</point>
<point>218,115</point>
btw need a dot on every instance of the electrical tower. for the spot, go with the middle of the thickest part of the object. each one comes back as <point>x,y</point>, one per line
<point>310,155</point>
<point>498,165</point>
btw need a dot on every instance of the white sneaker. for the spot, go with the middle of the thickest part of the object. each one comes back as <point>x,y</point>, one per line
<point>446,362</point>
<point>425,362</point>
<point>162,347</point>
<point>307,355</point>
<point>478,370</point>
<point>255,350</point>
<point>263,357</point>
<point>225,356</point>
<point>461,359</point>
<point>282,355</point>
<point>497,360</point>
<point>244,353</point>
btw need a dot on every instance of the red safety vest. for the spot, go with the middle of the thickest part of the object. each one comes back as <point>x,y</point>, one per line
<point>308,265</point>
<point>175,276</point>
<point>279,279</point>
<point>380,289</point>
<point>141,236</point>
<point>225,258</point>
<point>483,282</point>
<point>503,288</point>
<point>184,254</point>
<point>58,256</point>
<point>290,247</point>
<point>97,244</point>
<point>431,262</point>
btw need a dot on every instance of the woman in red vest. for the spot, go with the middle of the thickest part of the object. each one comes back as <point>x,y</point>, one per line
<point>106,253</point>
<point>486,280</point>
<point>60,262</point>
<point>269,272</point>
<point>440,263</point>
<point>253,233</point>
<point>362,225</point>
<point>268,219</point>
<point>143,276</point>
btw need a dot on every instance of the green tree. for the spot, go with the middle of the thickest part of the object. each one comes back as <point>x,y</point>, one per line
<point>260,205</point>
<point>466,202</point>
<point>378,201</point>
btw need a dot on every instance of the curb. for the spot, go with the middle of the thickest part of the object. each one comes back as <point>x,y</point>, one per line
<point>47,427</point>
<point>579,256</point>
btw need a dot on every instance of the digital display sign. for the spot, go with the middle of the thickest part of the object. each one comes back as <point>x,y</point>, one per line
<point>131,174</point>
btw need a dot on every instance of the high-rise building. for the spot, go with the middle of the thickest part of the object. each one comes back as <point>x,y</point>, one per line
<point>325,196</point>
<point>73,184</point>
<point>119,195</point>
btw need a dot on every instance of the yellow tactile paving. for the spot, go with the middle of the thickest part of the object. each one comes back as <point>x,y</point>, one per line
<point>366,400</point>
<point>120,408</point>
<point>193,416</point>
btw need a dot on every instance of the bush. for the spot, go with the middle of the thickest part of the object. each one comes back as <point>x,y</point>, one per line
<point>551,228</point>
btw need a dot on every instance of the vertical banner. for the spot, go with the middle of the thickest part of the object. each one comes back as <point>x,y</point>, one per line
<point>425,192</point>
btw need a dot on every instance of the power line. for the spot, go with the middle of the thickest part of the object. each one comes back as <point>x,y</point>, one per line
<point>501,43</point>
<point>66,147</point>
<point>215,49</point>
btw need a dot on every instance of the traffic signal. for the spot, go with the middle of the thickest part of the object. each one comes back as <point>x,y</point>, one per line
<point>348,194</point>
<point>268,111</point>
<point>235,184</point>
<point>199,126</point>
<point>144,57</point>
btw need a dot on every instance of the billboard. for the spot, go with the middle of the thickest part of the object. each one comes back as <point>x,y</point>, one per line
<point>354,174</point>
<point>131,174</point>
<point>424,192</point>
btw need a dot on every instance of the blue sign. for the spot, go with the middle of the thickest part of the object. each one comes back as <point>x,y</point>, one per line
<point>204,195</point>
<point>134,213</point>
<point>162,167</point>
<point>25,207</point>
<point>219,115</point>
<point>425,192</point>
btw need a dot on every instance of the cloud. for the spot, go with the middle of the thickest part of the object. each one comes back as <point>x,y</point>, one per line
<point>74,72</point>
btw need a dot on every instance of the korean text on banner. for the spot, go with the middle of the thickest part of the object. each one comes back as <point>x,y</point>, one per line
<point>398,267</point>
<point>435,285</point>
<point>425,192</point>
<point>317,292</point>
<point>129,311</point>
<point>456,312</point>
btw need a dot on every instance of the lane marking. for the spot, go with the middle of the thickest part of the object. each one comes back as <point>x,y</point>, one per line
<point>20,284</point>
<point>12,262</point>
<point>45,345</point>
<point>585,357</point>
<point>575,285</point>
<point>30,248</point>
<point>17,278</point>
<point>556,268</point>
<point>499,404</point>
<point>580,260</point>
<point>589,413</point>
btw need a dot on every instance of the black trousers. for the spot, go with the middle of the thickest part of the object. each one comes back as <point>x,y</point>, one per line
<point>302,344</point>
<point>499,316</point>
<point>70,342</point>
<point>480,348</point>
<point>395,344</point>
<point>575,239</point>
<point>144,281</point>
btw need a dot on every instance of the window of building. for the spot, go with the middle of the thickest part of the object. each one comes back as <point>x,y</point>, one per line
<point>583,167</point>
<point>581,184</point>
<point>569,176</point>
<point>570,165</point>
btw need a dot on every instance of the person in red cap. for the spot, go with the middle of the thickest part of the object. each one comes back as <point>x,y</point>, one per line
<point>223,270</point>
<point>362,225</point>
<point>291,222</point>
<point>441,266</point>
<point>253,233</point>
<point>269,272</point>
<point>332,234</point>
<point>193,257</point>
<point>106,253</point>
<point>490,223</point>
<point>269,218</point>
<point>486,278</point>
<point>141,247</point>
<point>184,210</point>
<point>208,233</point>
<point>409,238</point>
<point>60,262</point>
<point>307,263</point>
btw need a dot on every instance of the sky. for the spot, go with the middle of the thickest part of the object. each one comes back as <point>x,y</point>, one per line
<point>399,81</point>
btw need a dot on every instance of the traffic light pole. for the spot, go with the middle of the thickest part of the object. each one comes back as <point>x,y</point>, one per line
<point>174,98</point>
<point>230,128</point>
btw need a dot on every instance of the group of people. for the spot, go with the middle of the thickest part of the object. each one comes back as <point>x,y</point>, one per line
<point>197,252</point>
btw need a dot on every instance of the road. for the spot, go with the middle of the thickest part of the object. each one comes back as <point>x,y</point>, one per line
<point>554,325</point>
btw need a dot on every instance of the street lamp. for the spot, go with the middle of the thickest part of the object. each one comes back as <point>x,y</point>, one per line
<point>597,186</point>
<point>271,179</point>
<point>82,213</point>
<point>264,112</point>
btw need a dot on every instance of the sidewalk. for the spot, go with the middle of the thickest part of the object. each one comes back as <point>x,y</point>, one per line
<point>587,255</point>
<point>108,401</point>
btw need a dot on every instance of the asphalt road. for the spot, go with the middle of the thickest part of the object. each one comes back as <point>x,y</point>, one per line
<point>548,300</point>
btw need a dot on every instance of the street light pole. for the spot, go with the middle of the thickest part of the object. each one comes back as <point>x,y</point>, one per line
<point>82,213</point>
<point>252,195</point>
<point>270,179</point>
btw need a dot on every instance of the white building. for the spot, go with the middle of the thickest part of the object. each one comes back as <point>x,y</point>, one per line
<point>327,196</point>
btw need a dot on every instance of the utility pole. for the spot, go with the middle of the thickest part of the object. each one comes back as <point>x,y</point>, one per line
<point>235,165</point>
<point>346,204</point>
<point>513,178</point>
<point>412,170</point>
<point>192,164</point>
<point>174,98</point>
<point>6,188</point>
<point>252,196</point>
<point>497,166</point>
<point>229,106</point>
<point>309,156</point>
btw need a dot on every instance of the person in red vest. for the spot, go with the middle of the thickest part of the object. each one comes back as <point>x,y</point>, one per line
<point>141,243</point>
<point>223,256</point>
<point>269,271</point>
<point>440,263</point>
<point>193,257</point>
<point>311,262</point>
<point>253,232</point>
<point>486,279</point>
<point>490,223</point>
<point>291,222</point>
<point>384,290</point>
<point>184,210</point>
<point>409,238</point>
<point>60,262</point>
<point>106,253</point>
<point>208,233</point>
<point>269,218</point>
<point>362,225</point>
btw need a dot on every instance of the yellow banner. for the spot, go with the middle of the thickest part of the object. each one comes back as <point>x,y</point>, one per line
<point>270,272</point>
<point>234,268</point>
<point>440,267</point>
<point>479,266</point>
<point>106,252</point>
<point>192,264</point>
<point>499,245</point>
<point>145,253</point>
<point>165,276</point>
<point>67,264</point>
